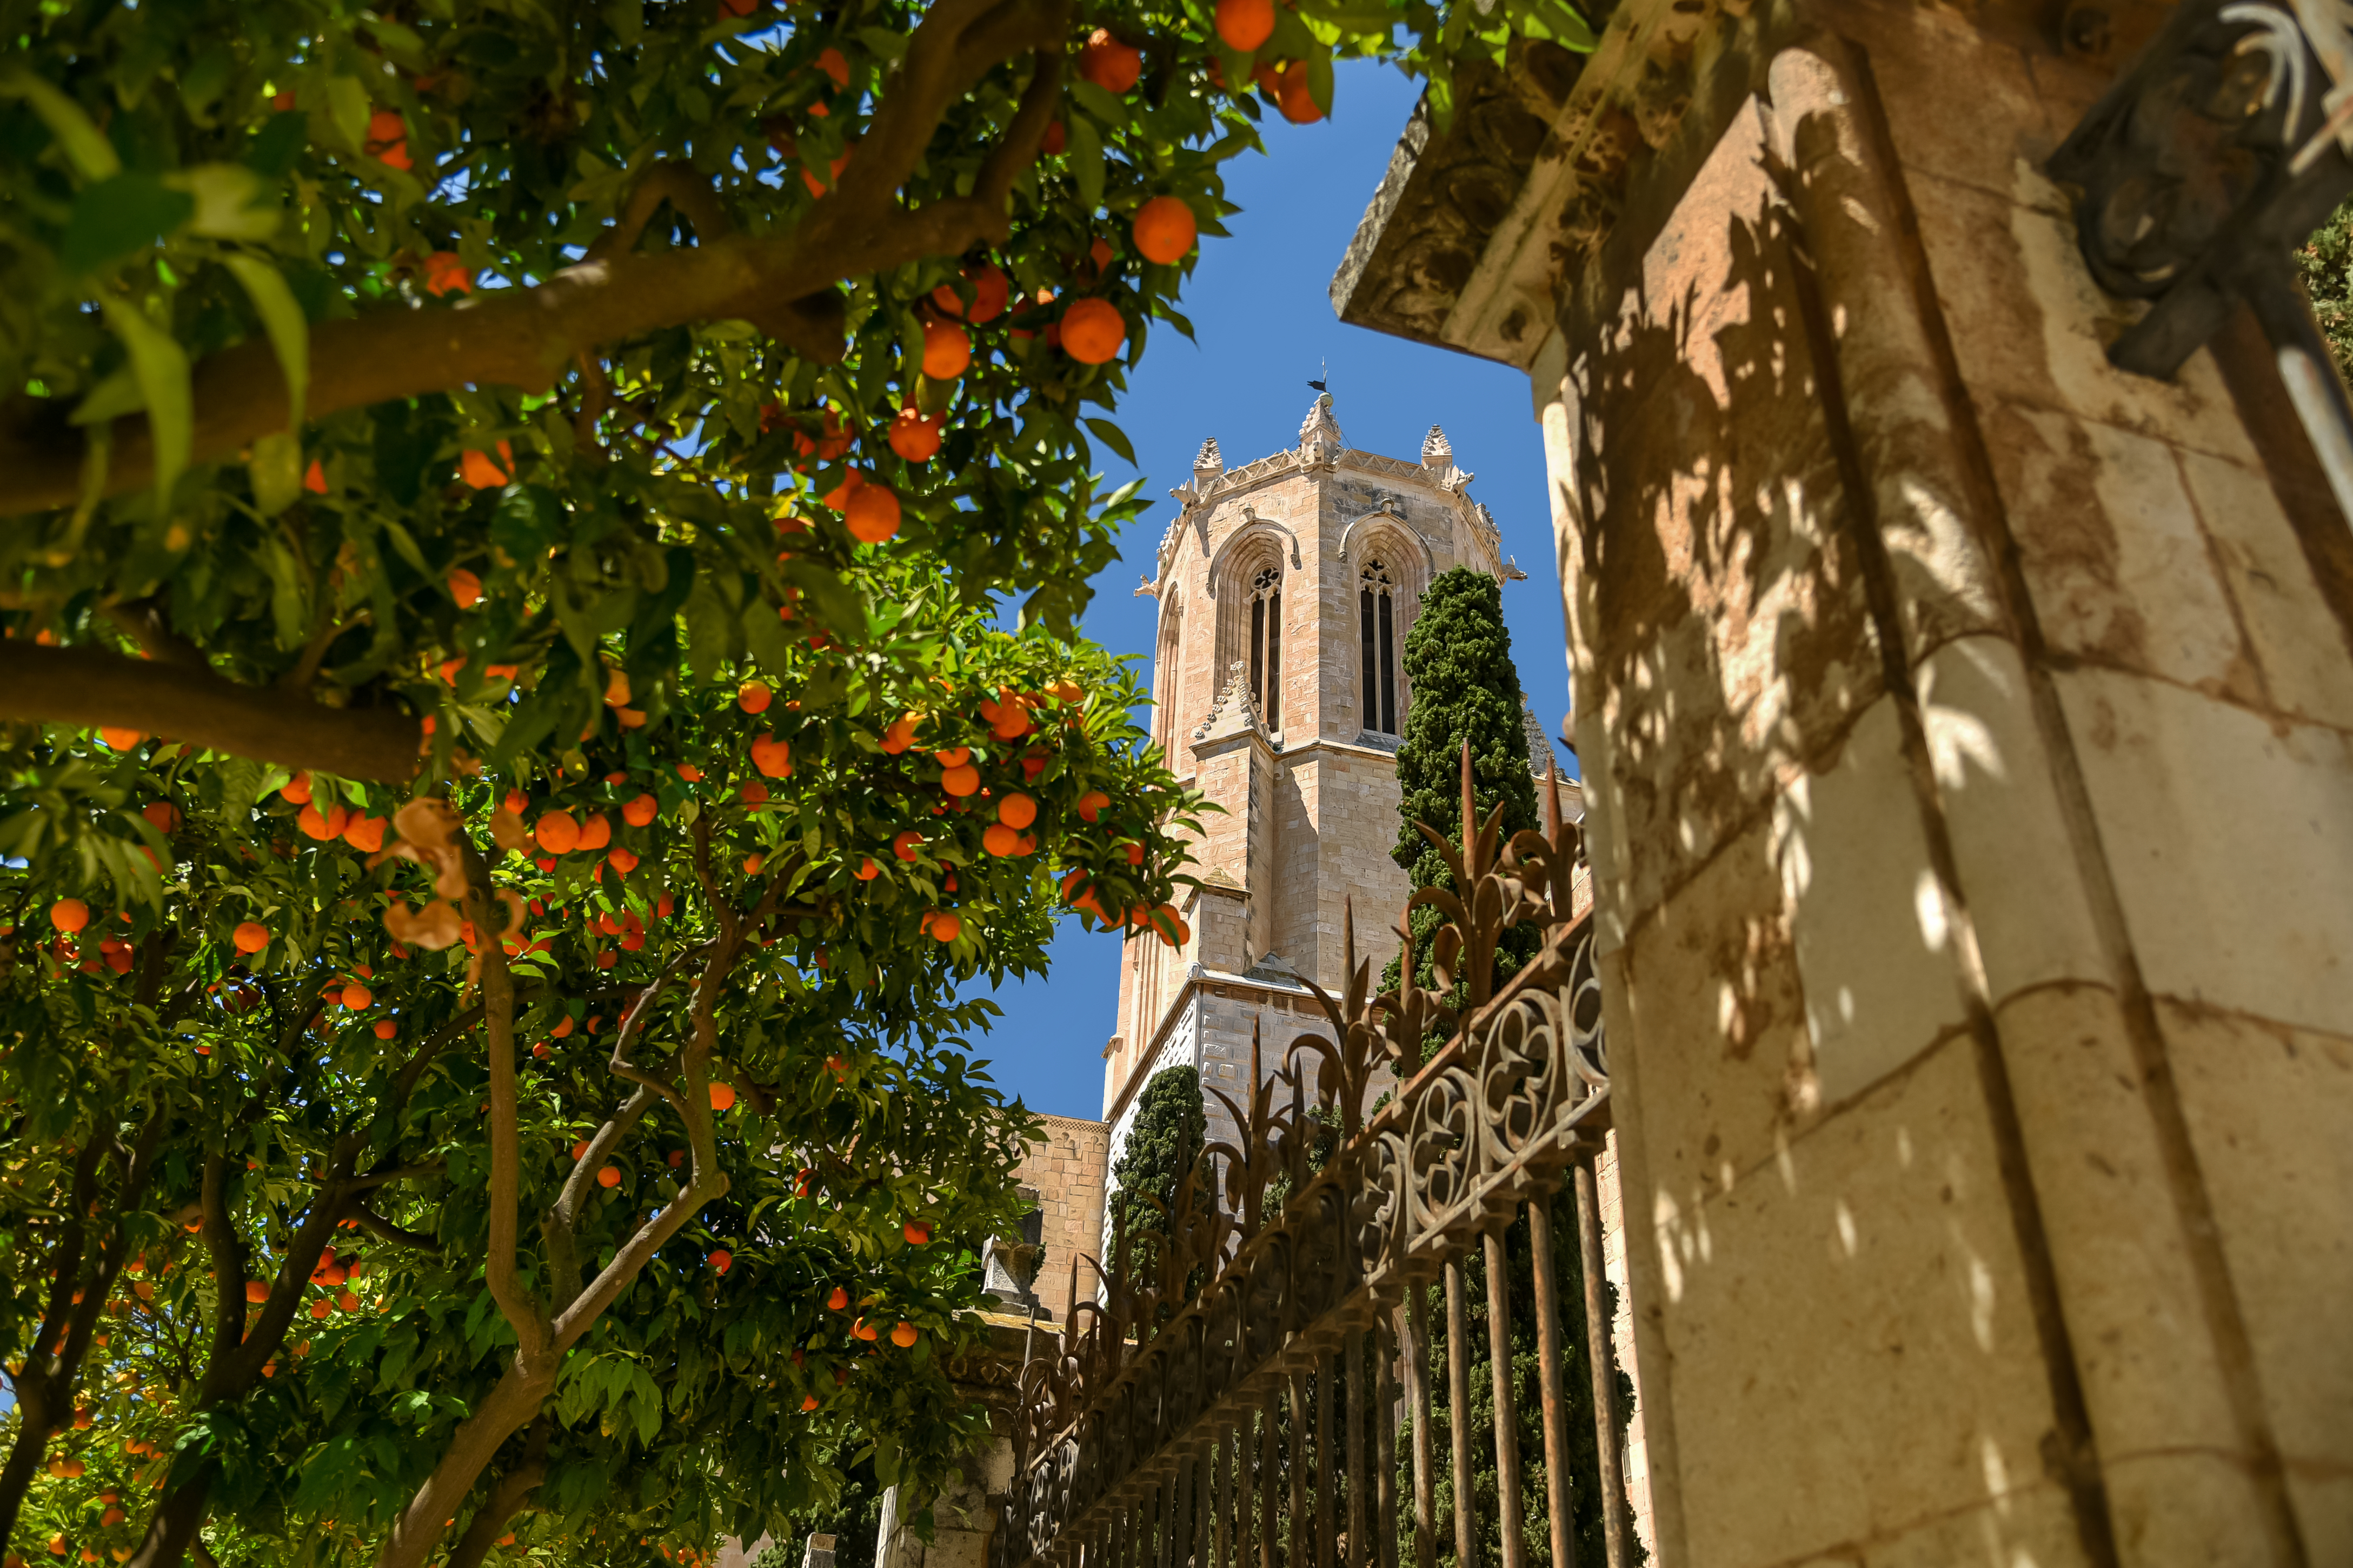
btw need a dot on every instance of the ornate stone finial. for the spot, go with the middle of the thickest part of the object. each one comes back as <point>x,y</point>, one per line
<point>1541,761</point>
<point>1437,452</point>
<point>1233,711</point>
<point>1320,440</point>
<point>1209,466</point>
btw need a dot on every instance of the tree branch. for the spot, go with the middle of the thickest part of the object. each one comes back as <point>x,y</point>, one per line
<point>383,1229</point>
<point>143,621</point>
<point>523,337</point>
<point>501,1271</point>
<point>505,1499</point>
<point>708,1181</point>
<point>90,687</point>
<point>375,1179</point>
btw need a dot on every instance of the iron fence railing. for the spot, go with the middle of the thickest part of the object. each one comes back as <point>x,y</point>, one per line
<point>1262,1391</point>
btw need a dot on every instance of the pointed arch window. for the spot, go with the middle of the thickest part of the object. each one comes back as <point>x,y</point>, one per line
<point>1266,644</point>
<point>1375,603</point>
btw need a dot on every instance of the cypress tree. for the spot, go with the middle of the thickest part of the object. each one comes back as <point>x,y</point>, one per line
<point>1464,687</point>
<point>1168,1137</point>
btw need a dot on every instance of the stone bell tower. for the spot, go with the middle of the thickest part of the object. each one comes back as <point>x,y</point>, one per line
<point>1286,587</point>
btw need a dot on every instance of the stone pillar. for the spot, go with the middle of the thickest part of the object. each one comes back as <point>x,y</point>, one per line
<point>1967,758</point>
<point>1968,730</point>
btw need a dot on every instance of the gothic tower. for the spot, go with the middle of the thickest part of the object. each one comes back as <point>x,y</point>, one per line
<point>1285,589</point>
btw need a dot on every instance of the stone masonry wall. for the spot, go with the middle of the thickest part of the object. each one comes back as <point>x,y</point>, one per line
<point>1969,761</point>
<point>1067,1171</point>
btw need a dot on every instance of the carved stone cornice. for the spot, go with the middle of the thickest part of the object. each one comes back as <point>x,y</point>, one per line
<point>1473,227</point>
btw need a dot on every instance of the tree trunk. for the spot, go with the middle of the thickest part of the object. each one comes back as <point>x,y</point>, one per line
<point>511,1405</point>
<point>172,1528</point>
<point>506,1499</point>
<point>35,1423</point>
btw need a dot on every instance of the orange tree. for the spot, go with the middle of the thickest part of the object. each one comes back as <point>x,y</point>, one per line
<point>342,341</point>
<point>693,995</point>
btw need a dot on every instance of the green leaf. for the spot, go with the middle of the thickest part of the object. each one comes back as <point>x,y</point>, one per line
<point>285,592</point>
<point>347,109</point>
<point>282,318</point>
<point>1319,79</point>
<point>276,470</point>
<point>86,146</point>
<point>112,398</point>
<point>277,145</point>
<point>162,367</point>
<point>226,196</point>
<point>118,215</point>
<point>1085,148</point>
<point>1113,437</point>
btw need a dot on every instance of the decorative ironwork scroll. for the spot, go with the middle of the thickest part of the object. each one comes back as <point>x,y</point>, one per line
<point>1173,1423</point>
<point>2202,169</point>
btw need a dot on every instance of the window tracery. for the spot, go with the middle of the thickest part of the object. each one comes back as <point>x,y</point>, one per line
<point>1377,614</point>
<point>1266,644</point>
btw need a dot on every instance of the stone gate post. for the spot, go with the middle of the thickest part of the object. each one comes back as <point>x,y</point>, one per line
<point>1967,730</point>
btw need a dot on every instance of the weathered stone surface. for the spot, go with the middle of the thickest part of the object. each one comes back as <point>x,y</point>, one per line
<point>2268,1107</point>
<point>1869,1272</point>
<point>2230,841</point>
<point>1971,813</point>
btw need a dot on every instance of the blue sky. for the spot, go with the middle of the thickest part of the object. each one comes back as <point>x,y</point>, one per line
<point>1266,327</point>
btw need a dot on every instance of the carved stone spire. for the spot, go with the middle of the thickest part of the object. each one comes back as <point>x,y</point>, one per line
<point>1209,466</point>
<point>1234,712</point>
<point>1437,452</point>
<point>1320,441</point>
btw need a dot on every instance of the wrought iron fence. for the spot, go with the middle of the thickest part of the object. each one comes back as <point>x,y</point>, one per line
<point>1244,1402</point>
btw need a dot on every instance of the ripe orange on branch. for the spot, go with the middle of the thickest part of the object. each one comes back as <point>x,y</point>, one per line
<point>479,472</point>
<point>1165,229</point>
<point>322,826</point>
<point>871,513</point>
<point>1295,98</point>
<point>1093,330</point>
<point>914,434</point>
<point>773,755</point>
<point>1244,24</point>
<point>948,350</point>
<point>990,291</point>
<point>1108,63</point>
